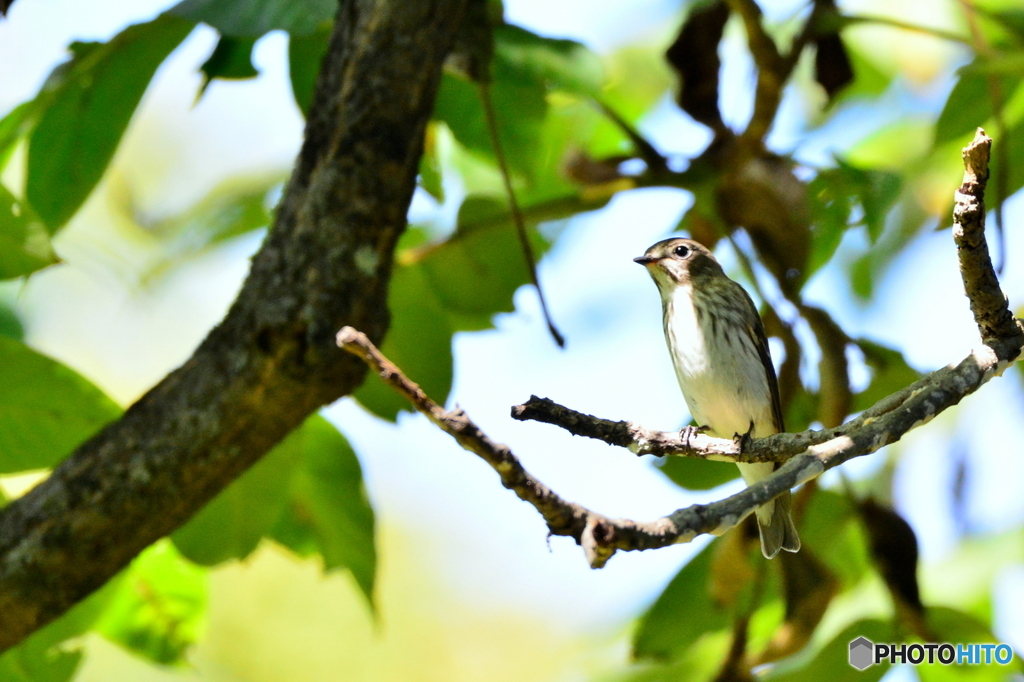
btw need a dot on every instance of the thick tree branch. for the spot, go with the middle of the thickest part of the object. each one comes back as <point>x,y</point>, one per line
<point>805,455</point>
<point>271,362</point>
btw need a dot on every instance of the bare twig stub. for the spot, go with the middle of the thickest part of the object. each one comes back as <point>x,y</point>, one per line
<point>805,455</point>
<point>988,303</point>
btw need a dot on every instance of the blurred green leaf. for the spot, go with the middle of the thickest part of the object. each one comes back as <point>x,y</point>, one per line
<point>419,341</point>
<point>231,525</point>
<point>1007,63</point>
<point>229,210</point>
<point>829,525</point>
<point>1014,141</point>
<point>694,473</point>
<point>230,60</point>
<point>638,76</point>
<point>518,97</point>
<point>475,273</point>
<point>305,54</point>
<point>559,64</point>
<point>862,275</point>
<point>831,662</point>
<point>46,409</point>
<point>969,105</point>
<point>889,373</point>
<point>951,625</point>
<point>833,196</point>
<point>159,610</point>
<point>14,126</point>
<point>24,243</point>
<point>328,509</point>
<point>1008,17</point>
<point>830,213</point>
<point>253,18</point>
<point>30,663</point>
<point>78,132</point>
<point>682,613</point>
<point>896,146</point>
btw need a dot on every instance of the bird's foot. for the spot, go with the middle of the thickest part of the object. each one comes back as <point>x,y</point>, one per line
<point>689,431</point>
<point>743,439</point>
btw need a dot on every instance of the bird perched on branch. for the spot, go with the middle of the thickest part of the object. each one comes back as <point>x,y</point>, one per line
<point>723,365</point>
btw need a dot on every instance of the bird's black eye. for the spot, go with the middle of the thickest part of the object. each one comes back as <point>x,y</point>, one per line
<point>681,251</point>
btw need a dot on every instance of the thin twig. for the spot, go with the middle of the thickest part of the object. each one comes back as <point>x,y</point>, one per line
<point>850,19</point>
<point>513,205</point>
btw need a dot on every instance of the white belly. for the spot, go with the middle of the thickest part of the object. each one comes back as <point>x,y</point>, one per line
<point>722,378</point>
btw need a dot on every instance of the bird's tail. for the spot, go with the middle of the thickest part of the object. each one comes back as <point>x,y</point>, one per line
<point>774,519</point>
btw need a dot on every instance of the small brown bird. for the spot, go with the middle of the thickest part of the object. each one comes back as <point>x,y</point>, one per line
<point>720,353</point>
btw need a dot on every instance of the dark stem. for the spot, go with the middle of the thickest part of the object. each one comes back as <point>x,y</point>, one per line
<point>513,205</point>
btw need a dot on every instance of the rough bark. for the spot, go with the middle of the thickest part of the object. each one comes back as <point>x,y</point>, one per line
<point>272,361</point>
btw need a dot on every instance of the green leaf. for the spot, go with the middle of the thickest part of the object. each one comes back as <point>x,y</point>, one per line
<point>230,60</point>
<point>253,18</point>
<point>831,662</point>
<point>519,109</point>
<point>24,243</point>
<point>1009,18</point>
<point>638,76</point>
<point>78,132</point>
<point>328,509</point>
<point>419,341</point>
<point>830,214</point>
<point>831,528</point>
<point>14,126</point>
<point>862,273</point>
<point>896,146</point>
<point>305,55</point>
<point>230,210</point>
<point>968,106</point>
<point>476,272</point>
<point>834,192</point>
<point>694,473</point>
<point>46,409</point>
<point>1015,154</point>
<point>951,625</point>
<point>682,613</point>
<point>231,525</point>
<point>160,609</point>
<point>558,64</point>
<point>889,373</point>
<point>29,663</point>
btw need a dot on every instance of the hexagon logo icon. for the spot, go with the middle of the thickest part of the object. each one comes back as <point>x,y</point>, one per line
<point>862,653</point>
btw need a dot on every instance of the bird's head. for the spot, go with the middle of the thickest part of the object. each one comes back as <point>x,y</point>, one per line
<point>678,261</point>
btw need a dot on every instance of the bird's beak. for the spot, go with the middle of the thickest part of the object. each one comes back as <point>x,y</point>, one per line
<point>645,260</point>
